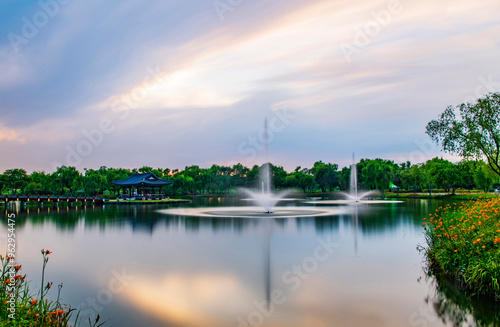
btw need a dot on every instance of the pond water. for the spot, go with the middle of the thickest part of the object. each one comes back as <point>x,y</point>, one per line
<point>136,266</point>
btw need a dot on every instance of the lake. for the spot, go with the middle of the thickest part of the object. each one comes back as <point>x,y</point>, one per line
<point>136,266</point>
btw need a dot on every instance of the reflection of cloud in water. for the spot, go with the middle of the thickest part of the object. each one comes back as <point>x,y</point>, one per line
<point>183,300</point>
<point>218,299</point>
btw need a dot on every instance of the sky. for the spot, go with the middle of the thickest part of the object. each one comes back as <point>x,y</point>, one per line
<point>175,83</point>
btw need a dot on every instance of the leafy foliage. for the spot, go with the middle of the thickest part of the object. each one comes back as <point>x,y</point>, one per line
<point>373,174</point>
<point>464,243</point>
<point>471,130</point>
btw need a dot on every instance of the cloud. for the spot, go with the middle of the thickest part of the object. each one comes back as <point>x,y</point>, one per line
<point>214,82</point>
<point>8,134</point>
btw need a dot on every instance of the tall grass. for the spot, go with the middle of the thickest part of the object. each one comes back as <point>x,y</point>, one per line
<point>464,244</point>
<point>21,307</point>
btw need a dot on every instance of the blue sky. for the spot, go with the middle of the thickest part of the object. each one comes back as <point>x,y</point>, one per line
<point>176,83</point>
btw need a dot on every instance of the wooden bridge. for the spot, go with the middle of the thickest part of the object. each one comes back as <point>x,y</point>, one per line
<point>46,198</point>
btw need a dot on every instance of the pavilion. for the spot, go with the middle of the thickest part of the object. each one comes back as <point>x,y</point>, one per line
<point>144,184</point>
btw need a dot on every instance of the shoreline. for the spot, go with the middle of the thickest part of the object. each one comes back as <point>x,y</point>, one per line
<point>129,202</point>
<point>463,245</point>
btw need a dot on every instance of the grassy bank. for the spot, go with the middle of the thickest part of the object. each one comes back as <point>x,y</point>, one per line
<point>464,244</point>
<point>21,307</point>
<point>458,196</point>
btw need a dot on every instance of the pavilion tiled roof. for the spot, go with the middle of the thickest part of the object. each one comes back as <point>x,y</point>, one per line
<point>147,179</point>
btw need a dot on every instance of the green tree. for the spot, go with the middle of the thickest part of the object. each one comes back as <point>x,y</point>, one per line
<point>238,174</point>
<point>16,179</point>
<point>411,178</point>
<point>145,169</point>
<point>278,176</point>
<point>466,169</point>
<point>378,173</point>
<point>253,177</point>
<point>345,178</point>
<point>64,178</point>
<point>40,183</point>
<point>443,174</point>
<point>326,175</point>
<point>470,130</point>
<point>94,181</point>
<point>426,177</point>
<point>484,176</point>
<point>300,178</point>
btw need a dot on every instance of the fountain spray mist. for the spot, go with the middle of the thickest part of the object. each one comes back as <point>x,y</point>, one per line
<point>354,179</point>
<point>265,198</point>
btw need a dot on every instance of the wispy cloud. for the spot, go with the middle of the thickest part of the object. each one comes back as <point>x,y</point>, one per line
<point>218,79</point>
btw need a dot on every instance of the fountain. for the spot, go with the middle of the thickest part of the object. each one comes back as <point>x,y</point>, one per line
<point>265,199</point>
<point>264,205</point>
<point>353,185</point>
<point>353,197</point>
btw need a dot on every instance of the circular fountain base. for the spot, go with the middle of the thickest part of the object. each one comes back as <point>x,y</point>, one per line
<point>254,212</point>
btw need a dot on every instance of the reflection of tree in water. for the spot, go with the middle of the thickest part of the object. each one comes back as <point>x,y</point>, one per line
<point>457,308</point>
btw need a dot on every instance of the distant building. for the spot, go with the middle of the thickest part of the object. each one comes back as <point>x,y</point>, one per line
<point>145,186</point>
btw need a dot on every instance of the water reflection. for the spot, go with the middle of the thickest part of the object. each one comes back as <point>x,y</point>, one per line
<point>145,218</point>
<point>455,307</point>
<point>201,271</point>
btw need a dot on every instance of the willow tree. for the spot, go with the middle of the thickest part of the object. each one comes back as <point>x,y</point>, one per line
<point>470,130</point>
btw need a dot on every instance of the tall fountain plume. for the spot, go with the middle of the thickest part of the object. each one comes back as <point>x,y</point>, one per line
<point>353,194</point>
<point>265,198</point>
<point>354,180</point>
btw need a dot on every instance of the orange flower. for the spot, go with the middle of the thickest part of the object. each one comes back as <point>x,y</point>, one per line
<point>455,251</point>
<point>57,313</point>
<point>484,246</point>
<point>34,302</point>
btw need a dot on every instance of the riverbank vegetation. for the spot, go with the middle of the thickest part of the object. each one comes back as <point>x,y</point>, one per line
<point>373,174</point>
<point>464,245</point>
<point>21,307</point>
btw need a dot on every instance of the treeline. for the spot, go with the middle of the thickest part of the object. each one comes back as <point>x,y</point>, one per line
<point>373,174</point>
